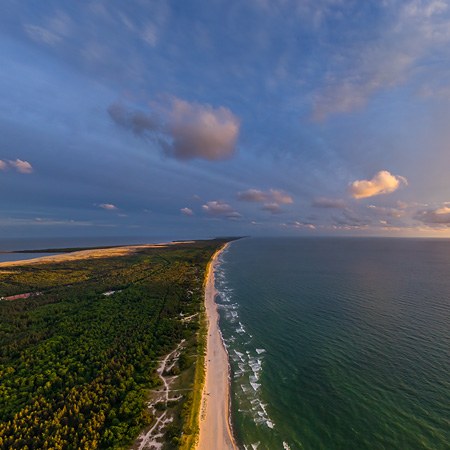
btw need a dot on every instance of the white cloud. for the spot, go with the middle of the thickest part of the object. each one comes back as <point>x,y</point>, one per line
<point>150,34</point>
<point>108,206</point>
<point>220,209</point>
<point>60,24</point>
<point>412,31</point>
<point>382,183</point>
<point>382,68</point>
<point>187,211</point>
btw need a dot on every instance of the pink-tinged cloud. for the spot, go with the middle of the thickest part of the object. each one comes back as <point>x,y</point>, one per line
<point>3,165</point>
<point>183,130</point>
<point>218,208</point>
<point>187,211</point>
<point>270,196</point>
<point>201,131</point>
<point>108,206</point>
<point>21,166</point>
<point>382,183</point>
<point>437,216</point>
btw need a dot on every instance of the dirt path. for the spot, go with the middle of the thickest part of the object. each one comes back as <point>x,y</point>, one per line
<point>153,438</point>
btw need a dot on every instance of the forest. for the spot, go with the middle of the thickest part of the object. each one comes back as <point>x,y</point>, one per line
<point>78,359</point>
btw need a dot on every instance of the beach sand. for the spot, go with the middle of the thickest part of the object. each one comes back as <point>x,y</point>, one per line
<point>215,430</point>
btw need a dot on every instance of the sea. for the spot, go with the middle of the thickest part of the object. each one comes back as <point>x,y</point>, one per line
<point>337,343</point>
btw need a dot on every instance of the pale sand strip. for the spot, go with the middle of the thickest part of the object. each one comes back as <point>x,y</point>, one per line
<point>88,254</point>
<point>215,430</point>
<point>82,254</point>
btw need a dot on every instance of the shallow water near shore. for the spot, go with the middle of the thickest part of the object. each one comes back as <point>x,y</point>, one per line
<point>337,343</point>
<point>9,257</point>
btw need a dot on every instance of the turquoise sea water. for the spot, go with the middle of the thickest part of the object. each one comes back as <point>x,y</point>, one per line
<point>338,343</point>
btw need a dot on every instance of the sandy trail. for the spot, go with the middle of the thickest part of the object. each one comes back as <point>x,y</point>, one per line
<point>215,430</point>
<point>152,439</point>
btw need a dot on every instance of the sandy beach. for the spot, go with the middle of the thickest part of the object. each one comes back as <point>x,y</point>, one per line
<point>215,430</point>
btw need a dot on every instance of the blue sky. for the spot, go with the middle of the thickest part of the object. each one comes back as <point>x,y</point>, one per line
<point>193,119</point>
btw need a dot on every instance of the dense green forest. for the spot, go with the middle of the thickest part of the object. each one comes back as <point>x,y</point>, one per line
<point>76,365</point>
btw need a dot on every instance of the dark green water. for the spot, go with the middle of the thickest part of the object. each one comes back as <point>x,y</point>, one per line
<point>338,343</point>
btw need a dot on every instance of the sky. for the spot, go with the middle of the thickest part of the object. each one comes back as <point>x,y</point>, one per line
<point>196,119</point>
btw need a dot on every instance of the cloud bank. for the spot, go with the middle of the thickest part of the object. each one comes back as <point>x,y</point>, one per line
<point>382,183</point>
<point>438,216</point>
<point>272,195</point>
<point>184,130</point>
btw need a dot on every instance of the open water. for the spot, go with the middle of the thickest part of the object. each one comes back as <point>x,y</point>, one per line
<point>338,343</point>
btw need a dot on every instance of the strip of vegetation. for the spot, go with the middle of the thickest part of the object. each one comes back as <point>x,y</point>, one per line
<point>192,407</point>
<point>76,365</point>
<point>191,424</point>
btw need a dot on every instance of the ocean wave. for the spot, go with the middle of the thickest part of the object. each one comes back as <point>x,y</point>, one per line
<point>246,357</point>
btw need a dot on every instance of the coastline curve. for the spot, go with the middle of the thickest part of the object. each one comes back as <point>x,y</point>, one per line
<point>215,427</point>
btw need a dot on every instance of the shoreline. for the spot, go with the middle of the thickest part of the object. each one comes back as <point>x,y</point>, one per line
<point>214,421</point>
